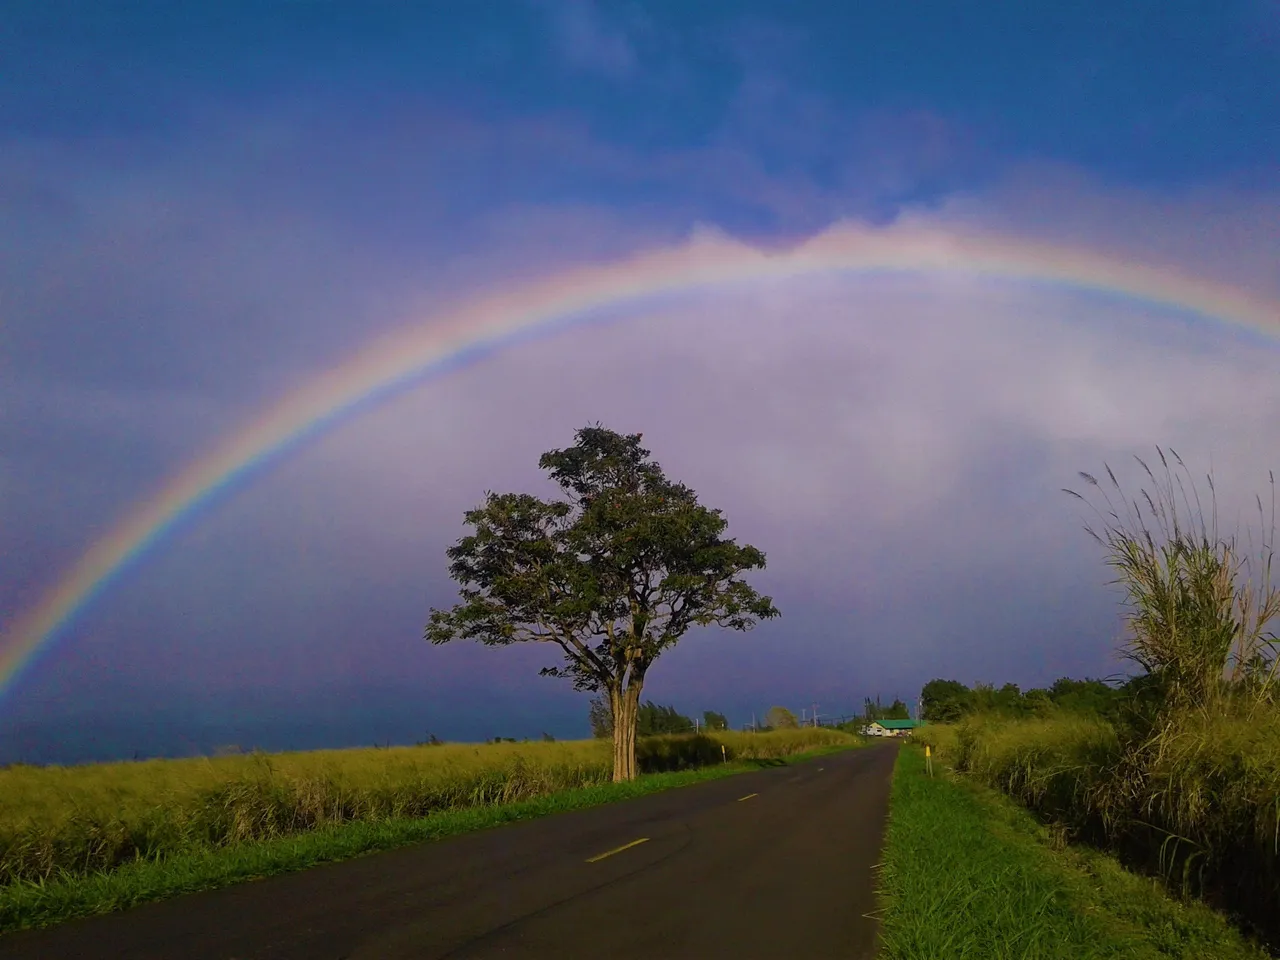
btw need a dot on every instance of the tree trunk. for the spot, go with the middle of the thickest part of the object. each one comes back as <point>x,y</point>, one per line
<point>626,707</point>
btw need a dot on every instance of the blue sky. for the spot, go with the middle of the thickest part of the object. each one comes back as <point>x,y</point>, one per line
<point>204,205</point>
<point>1155,92</point>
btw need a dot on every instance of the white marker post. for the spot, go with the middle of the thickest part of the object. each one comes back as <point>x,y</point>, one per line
<point>928,759</point>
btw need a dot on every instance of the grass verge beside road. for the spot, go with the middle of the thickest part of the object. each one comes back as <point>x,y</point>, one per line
<point>53,900</point>
<point>967,873</point>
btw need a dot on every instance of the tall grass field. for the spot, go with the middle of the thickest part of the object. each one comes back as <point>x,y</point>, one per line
<point>1199,806</point>
<point>58,823</point>
<point>1180,772</point>
<point>967,873</point>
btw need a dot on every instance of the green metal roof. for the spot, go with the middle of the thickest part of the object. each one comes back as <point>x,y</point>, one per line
<point>899,724</point>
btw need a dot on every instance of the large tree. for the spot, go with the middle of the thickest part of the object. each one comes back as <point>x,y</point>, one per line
<point>945,701</point>
<point>614,574</point>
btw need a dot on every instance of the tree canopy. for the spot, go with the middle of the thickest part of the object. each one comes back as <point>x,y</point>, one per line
<point>601,718</point>
<point>613,575</point>
<point>875,710</point>
<point>780,718</point>
<point>715,721</point>
<point>652,719</point>
<point>946,701</point>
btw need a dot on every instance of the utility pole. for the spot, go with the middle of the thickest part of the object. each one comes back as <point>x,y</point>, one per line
<point>815,715</point>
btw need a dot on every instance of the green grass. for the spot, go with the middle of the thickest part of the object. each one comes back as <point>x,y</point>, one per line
<point>967,873</point>
<point>1195,804</point>
<point>56,898</point>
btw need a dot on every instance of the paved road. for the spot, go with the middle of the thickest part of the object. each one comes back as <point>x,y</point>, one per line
<point>772,864</point>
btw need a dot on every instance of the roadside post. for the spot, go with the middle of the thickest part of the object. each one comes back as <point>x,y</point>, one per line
<point>724,757</point>
<point>928,759</point>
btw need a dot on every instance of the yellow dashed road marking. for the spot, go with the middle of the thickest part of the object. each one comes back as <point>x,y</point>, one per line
<point>610,853</point>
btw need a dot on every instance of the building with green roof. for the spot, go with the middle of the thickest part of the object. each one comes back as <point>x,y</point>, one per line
<point>891,728</point>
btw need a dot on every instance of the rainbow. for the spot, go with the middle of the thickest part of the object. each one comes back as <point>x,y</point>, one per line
<point>491,322</point>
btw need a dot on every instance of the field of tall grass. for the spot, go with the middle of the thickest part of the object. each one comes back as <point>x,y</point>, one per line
<point>1199,805</point>
<point>1182,775</point>
<point>60,822</point>
<point>967,873</point>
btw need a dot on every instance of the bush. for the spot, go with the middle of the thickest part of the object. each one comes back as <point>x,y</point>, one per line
<point>676,752</point>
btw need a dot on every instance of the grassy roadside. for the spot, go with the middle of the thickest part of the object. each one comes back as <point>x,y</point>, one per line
<point>38,904</point>
<point>968,873</point>
<point>59,822</point>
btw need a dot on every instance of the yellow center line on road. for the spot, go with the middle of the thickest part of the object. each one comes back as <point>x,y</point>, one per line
<point>748,797</point>
<point>610,853</point>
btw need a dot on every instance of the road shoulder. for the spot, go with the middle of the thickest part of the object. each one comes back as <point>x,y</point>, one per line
<point>967,872</point>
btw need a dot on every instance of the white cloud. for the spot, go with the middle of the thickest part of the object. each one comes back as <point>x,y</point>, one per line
<point>895,445</point>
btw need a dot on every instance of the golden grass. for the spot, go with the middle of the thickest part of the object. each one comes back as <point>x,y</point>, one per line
<point>49,794</point>
<point>76,820</point>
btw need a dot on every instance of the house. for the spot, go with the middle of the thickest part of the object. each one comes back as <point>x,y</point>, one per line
<point>891,728</point>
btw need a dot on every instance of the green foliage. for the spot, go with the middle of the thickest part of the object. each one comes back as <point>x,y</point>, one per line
<point>1195,805</point>
<point>714,721</point>
<point>780,718</point>
<point>611,576</point>
<point>1197,605</point>
<point>949,701</point>
<point>1008,699</point>
<point>614,575</point>
<point>652,720</point>
<point>967,874</point>
<point>875,710</point>
<point>1087,696</point>
<point>601,717</point>
<point>897,711</point>
<point>945,701</point>
<point>1178,767</point>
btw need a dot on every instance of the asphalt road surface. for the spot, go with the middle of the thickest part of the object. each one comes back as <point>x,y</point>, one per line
<point>773,864</point>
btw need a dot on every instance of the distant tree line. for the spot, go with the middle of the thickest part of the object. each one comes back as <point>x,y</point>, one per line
<point>875,710</point>
<point>946,701</point>
<point>652,719</point>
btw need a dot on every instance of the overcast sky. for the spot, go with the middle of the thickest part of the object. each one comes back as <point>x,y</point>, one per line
<point>202,206</point>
